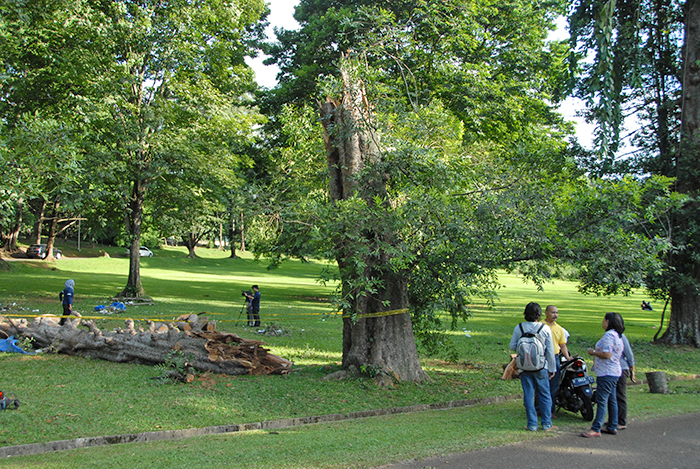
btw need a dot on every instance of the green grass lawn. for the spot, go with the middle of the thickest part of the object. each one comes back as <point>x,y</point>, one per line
<point>67,397</point>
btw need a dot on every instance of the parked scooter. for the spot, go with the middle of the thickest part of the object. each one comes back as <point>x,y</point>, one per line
<point>575,393</point>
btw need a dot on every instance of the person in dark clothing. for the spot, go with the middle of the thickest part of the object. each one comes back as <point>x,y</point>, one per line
<point>66,298</point>
<point>255,305</point>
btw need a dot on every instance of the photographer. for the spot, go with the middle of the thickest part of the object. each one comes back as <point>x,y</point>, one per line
<point>253,306</point>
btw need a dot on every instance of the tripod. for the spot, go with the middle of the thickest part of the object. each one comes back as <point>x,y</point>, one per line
<point>246,308</point>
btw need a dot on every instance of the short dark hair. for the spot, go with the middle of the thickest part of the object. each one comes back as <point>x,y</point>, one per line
<point>615,322</point>
<point>255,287</point>
<point>533,312</point>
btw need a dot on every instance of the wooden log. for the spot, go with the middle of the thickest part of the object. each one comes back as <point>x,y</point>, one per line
<point>212,351</point>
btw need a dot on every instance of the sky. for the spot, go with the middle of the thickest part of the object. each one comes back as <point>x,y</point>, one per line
<point>281,15</point>
<point>281,12</point>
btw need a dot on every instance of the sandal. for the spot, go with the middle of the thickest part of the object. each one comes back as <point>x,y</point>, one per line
<point>590,434</point>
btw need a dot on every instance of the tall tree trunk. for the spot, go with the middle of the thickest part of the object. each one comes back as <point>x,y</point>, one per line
<point>191,243</point>
<point>232,234</point>
<point>133,220</point>
<point>221,246</point>
<point>377,329</point>
<point>52,229</point>
<point>242,232</point>
<point>13,235</point>
<point>684,325</point>
<point>38,207</point>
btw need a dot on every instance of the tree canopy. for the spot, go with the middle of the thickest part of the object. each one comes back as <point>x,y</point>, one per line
<point>645,66</point>
<point>416,143</point>
<point>465,167</point>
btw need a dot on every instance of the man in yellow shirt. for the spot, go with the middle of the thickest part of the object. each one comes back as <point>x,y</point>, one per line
<point>560,348</point>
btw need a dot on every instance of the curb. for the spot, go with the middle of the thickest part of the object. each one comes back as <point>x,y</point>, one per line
<point>170,435</point>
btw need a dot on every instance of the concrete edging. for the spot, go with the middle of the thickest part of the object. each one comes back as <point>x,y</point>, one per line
<point>89,442</point>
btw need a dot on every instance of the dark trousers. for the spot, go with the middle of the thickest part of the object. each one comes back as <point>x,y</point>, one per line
<point>66,313</point>
<point>621,394</point>
<point>256,317</point>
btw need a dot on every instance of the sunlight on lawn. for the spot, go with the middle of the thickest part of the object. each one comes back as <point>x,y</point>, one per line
<point>308,356</point>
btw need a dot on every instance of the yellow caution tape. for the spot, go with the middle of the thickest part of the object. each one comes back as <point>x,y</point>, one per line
<point>125,316</point>
<point>380,314</point>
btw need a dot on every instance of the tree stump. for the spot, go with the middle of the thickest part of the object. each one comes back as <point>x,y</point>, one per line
<point>657,382</point>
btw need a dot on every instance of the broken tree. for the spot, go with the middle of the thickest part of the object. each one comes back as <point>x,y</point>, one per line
<point>216,352</point>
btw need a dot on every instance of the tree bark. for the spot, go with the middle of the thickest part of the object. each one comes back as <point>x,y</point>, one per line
<point>52,230</point>
<point>377,329</point>
<point>205,348</point>
<point>38,207</point>
<point>191,242</point>
<point>10,240</point>
<point>684,323</point>
<point>221,246</point>
<point>232,233</point>
<point>242,233</point>
<point>133,220</point>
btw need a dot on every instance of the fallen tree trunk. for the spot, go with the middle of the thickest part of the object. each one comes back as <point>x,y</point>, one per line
<point>209,350</point>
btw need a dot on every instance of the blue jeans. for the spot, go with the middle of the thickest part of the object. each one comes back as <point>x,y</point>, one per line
<point>536,383</point>
<point>553,388</point>
<point>605,399</point>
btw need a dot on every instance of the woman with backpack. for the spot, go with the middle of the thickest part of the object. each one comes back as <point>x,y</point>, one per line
<point>608,370</point>
<point>532,342</point>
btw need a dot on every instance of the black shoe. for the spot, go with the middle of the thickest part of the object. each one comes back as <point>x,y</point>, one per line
<point>608,431</point>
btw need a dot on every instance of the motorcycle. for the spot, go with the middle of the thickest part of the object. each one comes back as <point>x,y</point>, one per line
<point>575,393</point>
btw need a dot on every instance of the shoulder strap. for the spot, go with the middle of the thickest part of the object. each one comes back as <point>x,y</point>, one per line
<point>540,329</point>
<point>521,328</point>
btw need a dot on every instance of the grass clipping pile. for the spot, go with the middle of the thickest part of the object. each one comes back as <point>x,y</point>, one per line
<point>212,351</point>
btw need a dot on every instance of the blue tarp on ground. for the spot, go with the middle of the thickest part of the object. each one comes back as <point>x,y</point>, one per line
<point>116,306</point>
<point>10,345</point>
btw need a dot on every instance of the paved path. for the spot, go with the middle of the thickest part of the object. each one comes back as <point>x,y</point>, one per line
<point>669,443</point>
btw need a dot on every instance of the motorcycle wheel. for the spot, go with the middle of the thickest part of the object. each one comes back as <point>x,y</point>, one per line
<point>587,409</point>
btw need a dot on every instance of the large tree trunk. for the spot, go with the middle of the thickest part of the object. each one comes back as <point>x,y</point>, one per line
<point>377,330</point>
<point>684,325</point>
<point>10,239</point>
<point>53,225</point>
<point>13,235</point>
<point>204,348</point>
<point>38,206</point>
<point>133,221</point>
<point>191,242</point>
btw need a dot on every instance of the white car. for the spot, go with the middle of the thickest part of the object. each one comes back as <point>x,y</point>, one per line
<point>143,252</point>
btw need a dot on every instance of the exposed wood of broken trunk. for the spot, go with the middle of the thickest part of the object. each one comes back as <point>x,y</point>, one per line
<point>217,352</point>
<point>385,343</point>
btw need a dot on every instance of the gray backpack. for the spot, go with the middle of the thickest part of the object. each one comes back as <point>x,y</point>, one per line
<point>530,350</point>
